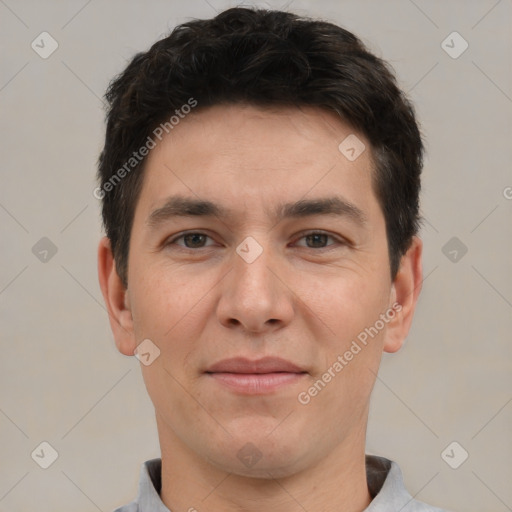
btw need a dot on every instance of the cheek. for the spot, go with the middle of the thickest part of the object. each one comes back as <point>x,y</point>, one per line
<point>342,304</point>
<point>345,309</point>
<point>164,301</point>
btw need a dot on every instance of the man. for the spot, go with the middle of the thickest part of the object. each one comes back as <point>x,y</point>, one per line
<point>260,182</point>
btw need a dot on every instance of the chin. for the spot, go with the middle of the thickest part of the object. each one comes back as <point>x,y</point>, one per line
<point>257,455</point>
<point>265,468</point>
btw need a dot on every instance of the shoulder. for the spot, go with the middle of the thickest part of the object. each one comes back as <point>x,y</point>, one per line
<point>419,506</point>
<point>387,489</point>
<point>131,507</point>
<point>148,497</point>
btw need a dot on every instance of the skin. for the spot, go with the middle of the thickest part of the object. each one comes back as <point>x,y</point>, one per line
<point>301,300</point>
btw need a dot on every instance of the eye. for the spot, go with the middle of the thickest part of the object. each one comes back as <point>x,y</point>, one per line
<point>318,239</point>
<point>192,240</point>
<point>197,240</point>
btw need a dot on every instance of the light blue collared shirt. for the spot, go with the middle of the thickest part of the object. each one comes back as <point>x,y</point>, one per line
<point>385,483</point>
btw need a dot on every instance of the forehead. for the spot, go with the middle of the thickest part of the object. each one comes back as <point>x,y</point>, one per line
<point>253,157</point>
<point>275,137</point>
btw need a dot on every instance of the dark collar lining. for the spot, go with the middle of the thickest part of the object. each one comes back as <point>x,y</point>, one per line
<point>377,469</point>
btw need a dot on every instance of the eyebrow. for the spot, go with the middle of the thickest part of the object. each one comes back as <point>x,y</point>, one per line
<point>180,206</point>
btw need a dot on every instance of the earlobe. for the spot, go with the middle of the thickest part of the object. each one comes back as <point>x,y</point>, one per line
<point>116,299</point>
<point>405,291</point>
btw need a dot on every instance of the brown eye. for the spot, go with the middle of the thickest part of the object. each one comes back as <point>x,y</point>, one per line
<point>190,241</point>
<point>319,240</point>
<point>194,240</point>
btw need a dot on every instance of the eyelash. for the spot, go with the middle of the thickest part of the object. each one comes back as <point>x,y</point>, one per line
<point>304,234</point>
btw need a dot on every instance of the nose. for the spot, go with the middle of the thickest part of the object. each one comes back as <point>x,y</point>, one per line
<point>254,295</point>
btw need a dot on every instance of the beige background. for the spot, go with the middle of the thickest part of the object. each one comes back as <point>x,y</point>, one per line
<point>61,378</point>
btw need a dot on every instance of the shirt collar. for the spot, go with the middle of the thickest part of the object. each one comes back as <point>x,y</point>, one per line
<point>385,484</point>
<point>150,484</point>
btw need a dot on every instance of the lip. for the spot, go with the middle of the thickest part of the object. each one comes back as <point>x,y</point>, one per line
<point>259,366</point>
<point>255,377</point>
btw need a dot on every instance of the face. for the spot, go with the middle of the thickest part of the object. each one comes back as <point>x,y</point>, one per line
<point>258,257</point>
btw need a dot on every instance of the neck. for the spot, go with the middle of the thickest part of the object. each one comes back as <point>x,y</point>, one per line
<point>337,482</point>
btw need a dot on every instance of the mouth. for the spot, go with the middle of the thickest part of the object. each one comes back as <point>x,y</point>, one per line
<point>255,377</point>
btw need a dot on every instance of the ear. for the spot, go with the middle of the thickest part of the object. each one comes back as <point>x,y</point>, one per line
<point>405,290</point>
<point>116,299</point>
